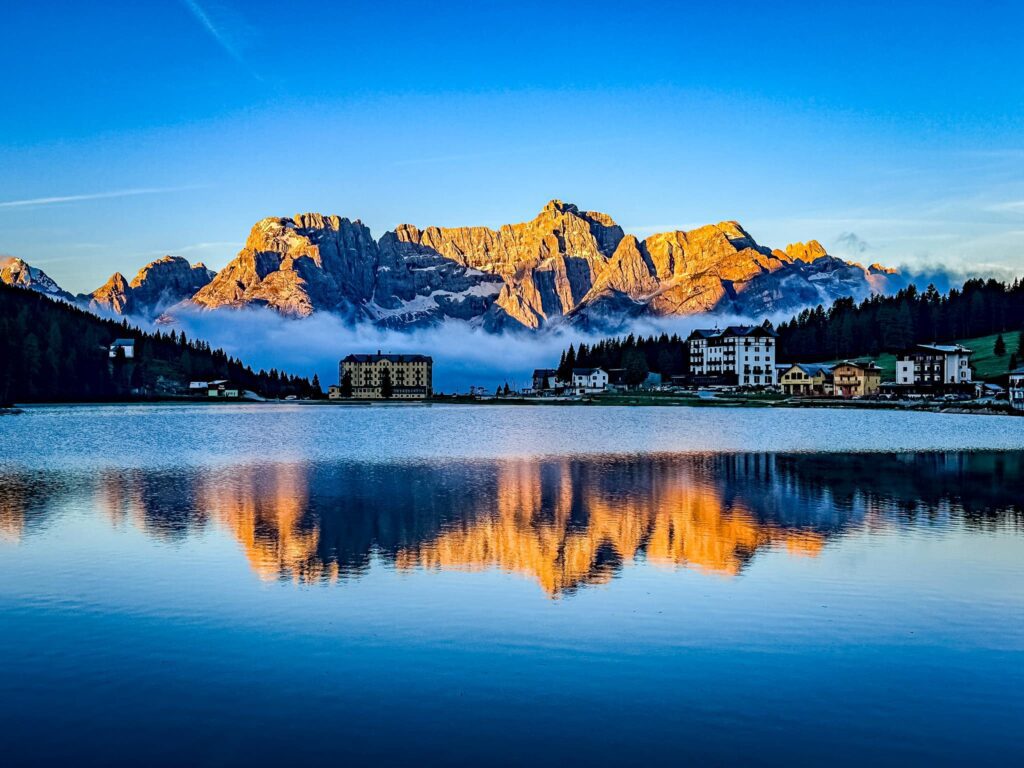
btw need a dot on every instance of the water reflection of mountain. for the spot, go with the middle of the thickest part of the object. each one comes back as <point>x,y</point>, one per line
<point>566,522</point>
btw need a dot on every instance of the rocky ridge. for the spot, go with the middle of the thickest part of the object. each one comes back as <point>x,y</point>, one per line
<point>17,272</point>
<point>565,265</point>
<point>157,286</point>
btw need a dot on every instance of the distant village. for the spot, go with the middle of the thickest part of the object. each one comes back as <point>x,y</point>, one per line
<point>742,360</point>
<point>735,361</point>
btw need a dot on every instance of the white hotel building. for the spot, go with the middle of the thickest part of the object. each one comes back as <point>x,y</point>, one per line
<point>737,355</point>
<point>934,365</point>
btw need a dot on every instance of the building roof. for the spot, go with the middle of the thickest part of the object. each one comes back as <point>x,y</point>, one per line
<point>586,371</point>
<point>123,343</point>
<point>864,365</point>
<point>1017,371</point>
<point>946,349</point>
<point>390,358</point>
<point>544,372</point>
<point>732,330</point>
<point>812,369</point>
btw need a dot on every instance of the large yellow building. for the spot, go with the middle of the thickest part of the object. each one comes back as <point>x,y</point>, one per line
<point>410,377</point>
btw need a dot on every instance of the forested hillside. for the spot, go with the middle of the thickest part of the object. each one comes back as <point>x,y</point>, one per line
<point>52,351</point>
<point>878,325</point>
<point>891,323</point>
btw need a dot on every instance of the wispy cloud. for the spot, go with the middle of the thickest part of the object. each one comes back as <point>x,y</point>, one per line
<point>219,248</point>
<point>1012,206</point>
<point>36,201</point>
<point>852,242</point>
<point>224,39</point>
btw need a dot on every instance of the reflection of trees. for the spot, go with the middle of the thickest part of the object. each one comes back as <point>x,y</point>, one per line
<point>566,522</point>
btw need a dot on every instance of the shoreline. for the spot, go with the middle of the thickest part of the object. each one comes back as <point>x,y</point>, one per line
<point>624,401</point>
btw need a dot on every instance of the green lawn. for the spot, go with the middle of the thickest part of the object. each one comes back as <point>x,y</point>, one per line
<point>986,364</point>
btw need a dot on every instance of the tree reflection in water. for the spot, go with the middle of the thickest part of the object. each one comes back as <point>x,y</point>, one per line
<point>565,522</point>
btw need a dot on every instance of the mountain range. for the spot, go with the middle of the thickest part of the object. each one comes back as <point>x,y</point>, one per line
<point>565,266</point>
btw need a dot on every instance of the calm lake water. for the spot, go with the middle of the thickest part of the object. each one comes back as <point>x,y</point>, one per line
<point>190,585</point>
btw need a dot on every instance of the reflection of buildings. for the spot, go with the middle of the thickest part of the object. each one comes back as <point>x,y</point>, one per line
<point>565,522</point>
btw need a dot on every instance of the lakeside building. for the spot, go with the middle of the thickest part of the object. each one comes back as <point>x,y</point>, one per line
<point>1017,389</point>
<point>934,367</point>
<point>856,378</point>
<point>808,380</point>
<point>411,376</point>
<point>738,356</point>
<point>589,381</point>
<point>127,346</point>
<point>617,379</point>
<point>222,388</point>
<point>545,380</point>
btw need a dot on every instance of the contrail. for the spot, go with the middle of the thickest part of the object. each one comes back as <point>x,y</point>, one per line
<point>197,10</point>
<point>92,196</point>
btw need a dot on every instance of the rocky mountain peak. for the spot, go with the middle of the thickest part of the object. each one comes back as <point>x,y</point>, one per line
<point>808,252</point>
<point>157,286</point>
<point>19,273</point>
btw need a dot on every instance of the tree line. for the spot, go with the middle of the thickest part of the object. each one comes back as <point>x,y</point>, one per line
<point>635,355</point>
<point>892,323</point>
<point>51,351</point>
<point>846,329</point>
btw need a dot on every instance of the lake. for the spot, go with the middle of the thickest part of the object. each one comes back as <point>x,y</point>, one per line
<point>276,584</point>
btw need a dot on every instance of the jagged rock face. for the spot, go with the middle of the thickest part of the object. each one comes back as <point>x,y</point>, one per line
<point>297,266</point>
<point>156,287</point>
<point>17,272</point>
<point>563,265</point>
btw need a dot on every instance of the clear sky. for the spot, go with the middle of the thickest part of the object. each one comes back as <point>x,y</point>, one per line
<point>892,132</point>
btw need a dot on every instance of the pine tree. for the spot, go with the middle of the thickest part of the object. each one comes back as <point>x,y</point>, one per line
<point>317,390</point>
<point>1000,348</point>
<point>346,384</point>
<point>635,364</point>
<point>567,364</point>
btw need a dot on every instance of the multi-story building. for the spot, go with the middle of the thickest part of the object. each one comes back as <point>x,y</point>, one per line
<point>934,366</point>
<point>807,379</point>
<point>1016,391</point>
<point>410,376</point>
<point>738,355</point>
<point>589,380</point>
<point>856,378</point>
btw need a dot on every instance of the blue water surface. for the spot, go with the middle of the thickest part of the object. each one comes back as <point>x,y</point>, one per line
<point>272,585</point>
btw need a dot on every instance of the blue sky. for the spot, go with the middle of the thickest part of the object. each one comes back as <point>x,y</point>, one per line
<point>892,132</point>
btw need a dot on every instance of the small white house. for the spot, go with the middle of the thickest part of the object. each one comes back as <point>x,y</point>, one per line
<point>127,345</point>
<point>587,381</point>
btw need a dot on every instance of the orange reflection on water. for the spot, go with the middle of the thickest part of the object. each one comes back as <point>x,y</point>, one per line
<point>673,519</point>
<point>263,508</point>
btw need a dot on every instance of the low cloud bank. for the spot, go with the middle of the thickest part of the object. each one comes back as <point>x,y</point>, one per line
<point>463,356</point>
